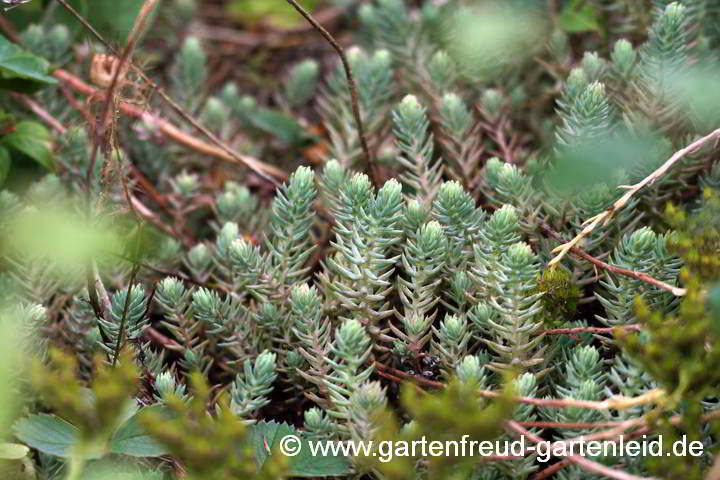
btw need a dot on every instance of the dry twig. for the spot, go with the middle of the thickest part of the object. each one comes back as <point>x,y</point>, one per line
<point>43,114</point>
<point>614,403</point>
<point>582,462</point>
<point>604,217</point>
<point>171,131</point>
<point>220,145</point>
<point>677,291</point>
<point>372,170</point>
<point>574,330</point>
<point>552,469</point>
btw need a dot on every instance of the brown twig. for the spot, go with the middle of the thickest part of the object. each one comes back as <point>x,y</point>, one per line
<point>144,185</point>
<point>570,425</point>
<point>619,430</point>
<point>163,272</point>
<point>229,153</point>
<point>404,375</point>
<point>249,39</point>
<point>677,291</point>
<point>604,217</point>
<point>644,277</point>
<point>142,211</point>
<point>98,297</point>
<point>580,461</point>
<point>140,21</point>
<point>265,171</point>
<point>82,20</point>
<point>43,114</point>
<point>714,473</point>
<point>124,59</point>
<point>612,434</point>
<point>552,469</point>
<point>571,331</point>
<point>614,403</point>
<point>395,379</point>
<point>169,130</point>
<point>163,340</point>
<point>99,133</point>
<point>9,30</point>
<point>372,170</point>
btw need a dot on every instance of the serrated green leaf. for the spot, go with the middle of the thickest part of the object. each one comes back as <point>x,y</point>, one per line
<point>304,464</point>
<point>47,433</point>
<point>270,432</point>
<point>579,16</point>
<point>132,439</point>
<point>4,165</point>
<point>21,71</point>
<point>31,139</point>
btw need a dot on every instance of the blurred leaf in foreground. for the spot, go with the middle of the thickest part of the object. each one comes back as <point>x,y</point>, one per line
<point>275,14</point>
<point>491,37</point>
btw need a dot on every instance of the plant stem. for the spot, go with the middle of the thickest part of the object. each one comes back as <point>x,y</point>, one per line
<point>171,131</point>
<point>604,217</point>
<point>371,167</point>
<point>677,291</point>
<point>175,106</point>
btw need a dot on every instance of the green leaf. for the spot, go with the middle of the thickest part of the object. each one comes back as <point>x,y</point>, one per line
<point>4,164</point>
<point>304,464</point>
<point>22,71</point>
<point>47,433</point>
<point>132,439</point>
<point>282,126</point>
<point>31,139</point>
<point>579,16</point>
<point>270,432</point>
<point>12,451</point>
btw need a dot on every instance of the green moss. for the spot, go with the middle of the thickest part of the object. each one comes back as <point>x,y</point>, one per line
<point>560,296</point>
